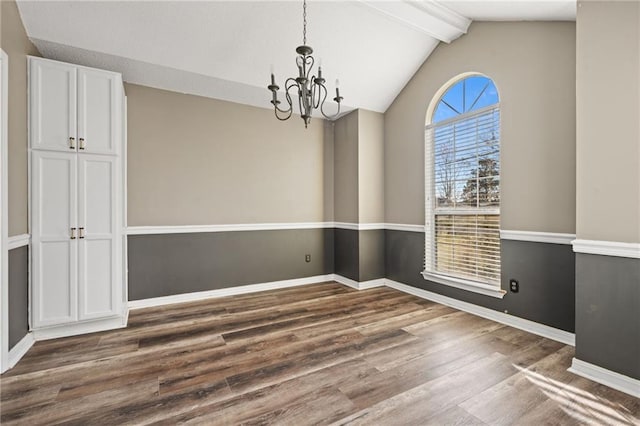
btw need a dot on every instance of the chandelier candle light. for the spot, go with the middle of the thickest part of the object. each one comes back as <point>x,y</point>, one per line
<point>311,90</point>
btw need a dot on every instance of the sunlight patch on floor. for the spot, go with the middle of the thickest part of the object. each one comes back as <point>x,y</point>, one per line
<point>582,405</point>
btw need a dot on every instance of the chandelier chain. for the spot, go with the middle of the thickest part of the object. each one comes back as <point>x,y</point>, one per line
<point>304,20</point>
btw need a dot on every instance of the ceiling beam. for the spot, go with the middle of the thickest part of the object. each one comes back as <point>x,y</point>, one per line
<point>427,16</point>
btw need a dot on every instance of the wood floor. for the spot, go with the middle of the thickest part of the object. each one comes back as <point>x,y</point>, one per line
<point>318,354</point>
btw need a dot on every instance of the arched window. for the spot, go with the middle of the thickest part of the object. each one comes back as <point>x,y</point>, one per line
<point>462,184</point>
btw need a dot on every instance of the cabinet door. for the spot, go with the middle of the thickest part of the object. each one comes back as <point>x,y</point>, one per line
<point>98,247</point>
<point>54,251</point>
<point>52,88</point>
<point>98,106</point>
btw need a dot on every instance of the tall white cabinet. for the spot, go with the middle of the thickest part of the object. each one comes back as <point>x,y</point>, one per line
<point>76,132</point>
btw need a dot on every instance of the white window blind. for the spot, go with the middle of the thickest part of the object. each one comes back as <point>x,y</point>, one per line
<point>462,183</point>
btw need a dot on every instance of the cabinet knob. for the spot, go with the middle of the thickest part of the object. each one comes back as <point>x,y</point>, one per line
<point>73,233</point>
<point>82,144</point>
<point>72,142</point>
<point>81,233</point>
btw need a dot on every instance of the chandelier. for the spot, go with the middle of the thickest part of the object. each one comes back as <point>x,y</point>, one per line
<point>310,89</point>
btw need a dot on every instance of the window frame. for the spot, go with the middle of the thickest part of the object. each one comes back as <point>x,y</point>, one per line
<point>493,290</point>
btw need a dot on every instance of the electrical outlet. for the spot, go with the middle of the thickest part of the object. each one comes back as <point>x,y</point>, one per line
<point>514,285</point>
<point>307,258</point>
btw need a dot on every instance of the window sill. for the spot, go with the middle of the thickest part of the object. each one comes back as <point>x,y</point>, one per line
<point>485,289</point>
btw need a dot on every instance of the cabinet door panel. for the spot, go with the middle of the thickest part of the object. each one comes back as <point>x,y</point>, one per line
<point>54,209</point>
<point>97,280</point>
<point>97,257</point>
<point>98,105</point>
<point>52,109</point>
<point>56,299</point>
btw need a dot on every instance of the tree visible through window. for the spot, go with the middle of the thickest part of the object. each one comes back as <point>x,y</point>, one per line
<point>462,177</point>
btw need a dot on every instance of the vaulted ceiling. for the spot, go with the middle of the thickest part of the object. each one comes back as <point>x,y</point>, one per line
<point>225,49</point>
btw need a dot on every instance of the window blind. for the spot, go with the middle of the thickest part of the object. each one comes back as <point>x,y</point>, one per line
<point>462,183</point>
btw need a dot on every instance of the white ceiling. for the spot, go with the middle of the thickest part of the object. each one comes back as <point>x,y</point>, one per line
<point>225,49</point>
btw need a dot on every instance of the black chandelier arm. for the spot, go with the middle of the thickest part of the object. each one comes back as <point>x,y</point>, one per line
<point>318,89</point>
<point>288,84</point>
<point>309,61</point>
<point>284,117</point>
<point>287,112</point>
<point>313,93</point>
<point>305,65</point>
<point>330,117</point>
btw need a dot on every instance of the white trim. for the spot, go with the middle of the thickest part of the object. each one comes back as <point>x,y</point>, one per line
<point>74,329</point>
<point>485,289</point>
<point>359,226</point>
<point>606,377</point>
<point>403,227</point>
<point>231,291</point>
<point>370,226</point>
<point>20,349</point>
<point>431,18</point>
<point>345,225</point>
<point>503,318</point>
<point>607,248</point>
<point>4,208</point>
<point>18,241</point>
<point>537,237</point>
<point>188,229</point>
<point>359,285</point>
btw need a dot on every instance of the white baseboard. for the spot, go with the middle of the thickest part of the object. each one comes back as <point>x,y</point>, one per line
<point>20,349</point>
<point>513,321</point>
<point>67,330</point>
<point>510,320</point>
<point>606,377</point>
<point>231,291</point>
<point>358,285</point>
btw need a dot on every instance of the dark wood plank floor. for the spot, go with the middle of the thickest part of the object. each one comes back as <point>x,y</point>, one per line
<point>318,354</point>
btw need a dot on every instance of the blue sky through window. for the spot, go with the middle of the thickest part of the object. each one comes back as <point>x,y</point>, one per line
<point>466,95</point>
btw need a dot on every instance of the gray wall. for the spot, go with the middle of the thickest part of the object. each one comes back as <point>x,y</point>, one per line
<point>200,161</point>
<point>608,173</point>
<point>608,124</point>
<point>347,253</point>
<point>346,168</point>
<point>533,67</point>
<point>359,255</point>
<point>18,294</point>
<point>168,264</point>
<point>17,46</point>
<point>371,254</point>
<point>370,167</point>
<point>608,312</point>
<point>545,272</point>
<point>359,194</point>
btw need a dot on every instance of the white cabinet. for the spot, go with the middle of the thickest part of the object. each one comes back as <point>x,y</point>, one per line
<point>52,105</point>
<point>98,106</point>
<point>74,109</point>
<point>97,237</point>
<point>77,214</point>
<point>55,253</point>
